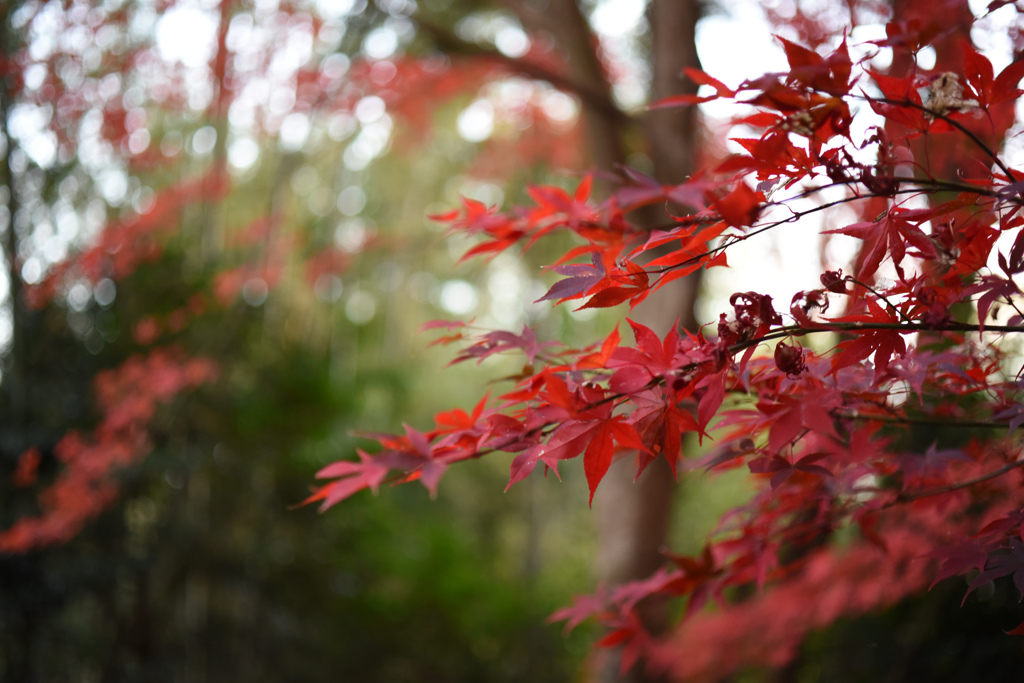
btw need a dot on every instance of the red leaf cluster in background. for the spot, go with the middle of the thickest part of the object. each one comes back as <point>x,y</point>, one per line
<point>134,239</point>
<point>128,397</point>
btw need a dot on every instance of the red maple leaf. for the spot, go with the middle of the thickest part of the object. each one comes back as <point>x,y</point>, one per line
<point>890,235</point>
<point>598,457</point>
<point>884,343</point>
<point>352,478</point>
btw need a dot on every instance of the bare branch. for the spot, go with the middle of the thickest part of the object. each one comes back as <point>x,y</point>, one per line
<point>591,98</point>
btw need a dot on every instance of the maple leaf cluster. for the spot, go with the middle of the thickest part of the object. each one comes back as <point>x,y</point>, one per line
<point>128,397</point>
<point>909,343</point>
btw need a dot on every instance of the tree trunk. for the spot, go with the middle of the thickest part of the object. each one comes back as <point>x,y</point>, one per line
<point>14,370</point>
<point>633,518</point>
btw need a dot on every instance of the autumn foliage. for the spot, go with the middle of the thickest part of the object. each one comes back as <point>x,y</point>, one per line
<point>877,415</point>
<point>128,398</point>
<point>882,407</point>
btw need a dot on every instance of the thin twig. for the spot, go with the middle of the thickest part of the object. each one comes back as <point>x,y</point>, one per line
<point>973,424</point>
<point>974,138</point>
<point>915,495</point>
<point>880,296</point>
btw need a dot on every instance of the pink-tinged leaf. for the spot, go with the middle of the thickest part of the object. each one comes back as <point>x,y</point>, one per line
<point>500,341</point>
<point>701,78</point>
<point>780,478</point>
<point>583,607</point>
<point>505,434</point>
<point>711,401</point>
<point>995,288</point>
<point>783,469</point>
<point>443,324</point>
<point>641,190</point>
<point>630,378</point>
<point>353,477</point>
<point>628,595</point>
<point>883,343</point>
<point>1002,562</point>
<point>418,440</point>
<point>430,474</point>
<point>692,193</point>
<point>660,423</point>
<point>582,278</point>
<point>807,465</point>
<point>959,559</point>
<point>637,367</point>
<point>891,234</point>
<point>523,464</point>
<point>568,440</point>
<point>786,427</point>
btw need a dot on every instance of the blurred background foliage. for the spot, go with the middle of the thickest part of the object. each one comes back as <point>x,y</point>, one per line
<point>304,279</point>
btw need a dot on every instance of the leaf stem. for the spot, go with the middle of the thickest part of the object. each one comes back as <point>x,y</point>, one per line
<point>850,278</point>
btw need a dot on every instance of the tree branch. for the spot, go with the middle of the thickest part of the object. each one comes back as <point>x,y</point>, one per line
<point>938,491</point>
<point>956,124</point>
<point>591,98</point>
